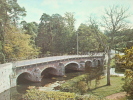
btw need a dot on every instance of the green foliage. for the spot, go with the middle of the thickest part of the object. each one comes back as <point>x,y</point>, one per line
<point>81,83</point>
<point>114,75</point>
<point>82,86</point>
<point>125,61</point>
<point>87,38</point>
<point>74,85</point>
<point>35,94</point>
<point>18,45</point>
<point>122,39</point>
<point>30,29</point>
<point>89,97</point>
<point>112,63</point>
<point>10,12</point>
<point>56,34</point>
<point>128,85</point>
<point>15,11</point>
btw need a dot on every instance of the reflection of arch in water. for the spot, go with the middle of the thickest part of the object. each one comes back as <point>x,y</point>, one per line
<point>94,63</point>
<point>72,67</point>
<point>21,89</point>
<point>88,65</point>
<point>49,72</point>
<point>23,78</point>
<point>98,63</point>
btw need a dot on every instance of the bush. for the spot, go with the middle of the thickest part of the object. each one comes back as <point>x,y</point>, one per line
<point>35,94</point>
<point>80,84</point>
<point>88,97</point>
<point>73,85</point>
<point>125,61</point>
<point>128,85</point>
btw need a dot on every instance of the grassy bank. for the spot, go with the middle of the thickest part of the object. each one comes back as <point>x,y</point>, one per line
<point>102,90</point>
<point>92,94</point>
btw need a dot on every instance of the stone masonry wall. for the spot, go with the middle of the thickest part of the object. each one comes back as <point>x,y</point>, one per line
<point>5,72</point>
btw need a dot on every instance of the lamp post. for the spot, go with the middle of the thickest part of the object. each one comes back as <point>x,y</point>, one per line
<point>77,44</point>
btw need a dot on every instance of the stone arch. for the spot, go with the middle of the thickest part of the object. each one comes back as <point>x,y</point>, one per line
<point>49,72</point>
<point>72,66</point>
<point>23,77</point>
<point>88,65</point>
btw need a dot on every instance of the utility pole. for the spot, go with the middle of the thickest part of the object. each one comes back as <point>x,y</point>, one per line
<point>77,44</point>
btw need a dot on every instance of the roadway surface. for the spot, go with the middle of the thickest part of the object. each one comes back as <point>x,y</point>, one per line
<point>49,59</point>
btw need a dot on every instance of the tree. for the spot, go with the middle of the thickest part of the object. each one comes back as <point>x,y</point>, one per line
<point>56,34</point>
<point>122,39</point>
<point>18,45</point>
<point>87,39</point>
<point>31,29</point>
<point>113,21</point>
<point>4,8</point>
<point>8,8</point>
<point>70,32</point>
<point>15,11</point>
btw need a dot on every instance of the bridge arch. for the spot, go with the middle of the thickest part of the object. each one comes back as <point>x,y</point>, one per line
<point>49,72</point>
<point>23,77</point>
<point>72,66</point>
<point>88,65</point>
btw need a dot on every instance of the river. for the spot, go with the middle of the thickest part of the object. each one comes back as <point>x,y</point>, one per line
<point>16,93</point>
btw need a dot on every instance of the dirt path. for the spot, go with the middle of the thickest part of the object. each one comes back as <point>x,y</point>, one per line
<point>116,96</point>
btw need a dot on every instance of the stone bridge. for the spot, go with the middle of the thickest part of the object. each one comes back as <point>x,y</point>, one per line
<point>35,69</point>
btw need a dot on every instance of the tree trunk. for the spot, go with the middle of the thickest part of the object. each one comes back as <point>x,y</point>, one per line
<point>108,66</point>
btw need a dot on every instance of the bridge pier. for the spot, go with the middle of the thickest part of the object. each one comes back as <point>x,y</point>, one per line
<point>35,75</point>
<point>61,69</point>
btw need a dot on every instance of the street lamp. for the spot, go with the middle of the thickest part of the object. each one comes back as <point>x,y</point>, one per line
<point>77,44</point>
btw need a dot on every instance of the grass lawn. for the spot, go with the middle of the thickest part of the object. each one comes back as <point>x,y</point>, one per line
<point>102,90</point>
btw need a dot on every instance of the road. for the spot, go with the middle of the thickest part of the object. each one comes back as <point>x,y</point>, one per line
<point>48,59</point>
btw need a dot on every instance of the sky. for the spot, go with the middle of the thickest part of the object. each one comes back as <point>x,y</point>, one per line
<point>82,9</point>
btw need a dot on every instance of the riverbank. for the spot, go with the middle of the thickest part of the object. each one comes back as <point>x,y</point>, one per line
<point>55,86</point>
<point>102,90</point>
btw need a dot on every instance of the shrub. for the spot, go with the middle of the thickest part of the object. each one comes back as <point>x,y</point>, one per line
<point>35,94</point>
<point>88,97</point>
<point>75,84</point>
<point>82,86</point>
<point>114,75</point>
<point>72,84</point>
<point>128,85</point>
<point>125,61</point>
